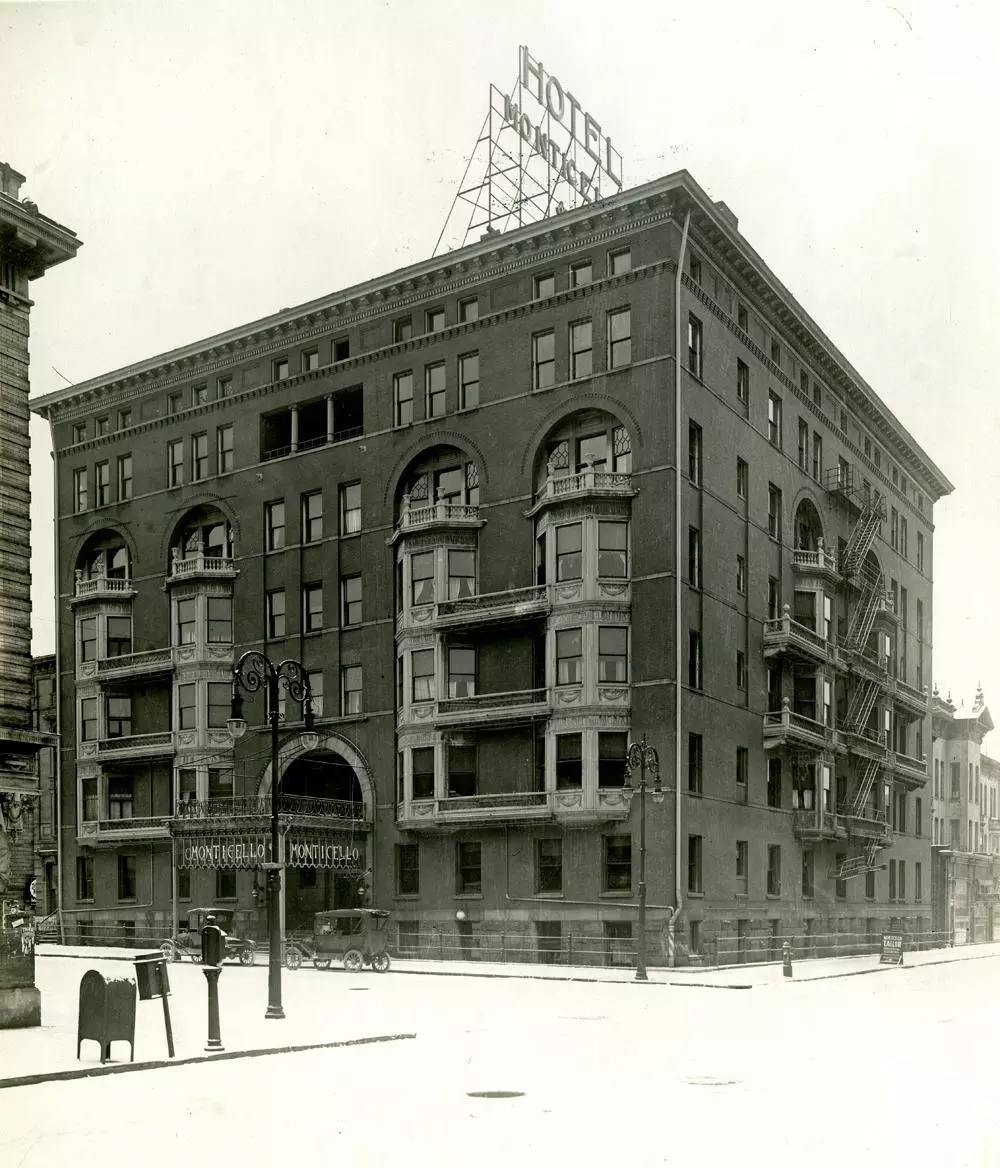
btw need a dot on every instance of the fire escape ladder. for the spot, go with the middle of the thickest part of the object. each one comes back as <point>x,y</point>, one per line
<point>863,617</point>
<point>862,700</point>
<point>871,853</point>
<point>863,535</point>
<point>865,784</point>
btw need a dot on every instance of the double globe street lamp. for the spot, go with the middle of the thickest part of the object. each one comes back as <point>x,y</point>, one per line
<point>251,673</point>
<point>641,757</point>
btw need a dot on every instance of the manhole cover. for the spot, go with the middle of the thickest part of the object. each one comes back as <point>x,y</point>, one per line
<point>494,1094</point>
<point>358,989</point>
<point>709,1081</point>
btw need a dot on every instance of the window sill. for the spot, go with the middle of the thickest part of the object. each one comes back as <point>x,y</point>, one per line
<point>467,896</point>
<point>551,895</point>
<point>696,895</point>
<point>616,895</point>
<point>695,794</point>
<point>772,896</point>
<point>406,896</point>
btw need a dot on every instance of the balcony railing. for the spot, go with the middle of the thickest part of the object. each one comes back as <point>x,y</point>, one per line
<point>909,766</point>
<point>867,823</point>
<point>911,694</point>
<point>511,604</point>
<point>867,735</point>
<point>127,827</point>
<point>815,824</point>
<point>599,481</point>
<point>786,633</point>
<point>160,743</point>
<point>341,435</point>
<point>412,516</point>
<point>822,559</point>
<point>200,564</point>
<point>147,662</point>
<point>102,585</point>
<point>259,807</point>
<point>514,805</point>
<point>490,701</point>
<point>786,723</point>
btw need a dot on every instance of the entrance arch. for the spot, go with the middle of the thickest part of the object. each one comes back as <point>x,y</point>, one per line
<point>339,757</point>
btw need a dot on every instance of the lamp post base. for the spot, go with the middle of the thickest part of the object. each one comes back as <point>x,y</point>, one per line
<point>274,1012</point>
<point>640,975</point>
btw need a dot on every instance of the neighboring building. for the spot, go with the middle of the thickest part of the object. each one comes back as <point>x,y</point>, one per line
<point>450,492</point>
<point>30,244</point>
<point>45,825</point>
<point>965,827</point>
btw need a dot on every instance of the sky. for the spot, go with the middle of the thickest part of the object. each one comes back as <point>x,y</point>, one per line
<point>222,161</point>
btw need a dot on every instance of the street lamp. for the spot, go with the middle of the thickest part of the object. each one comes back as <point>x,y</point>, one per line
<point>642,757</point>
<point>253,672</point>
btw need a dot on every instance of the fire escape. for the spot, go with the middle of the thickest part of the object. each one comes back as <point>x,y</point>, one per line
<point>866,819</point>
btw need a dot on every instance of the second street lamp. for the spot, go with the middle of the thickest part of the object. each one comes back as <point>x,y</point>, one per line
<point>642,758</point>
<point>251,673</point>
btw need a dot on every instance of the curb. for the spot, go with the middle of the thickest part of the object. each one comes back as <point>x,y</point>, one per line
<point>908,968</point>
<point>159,1064</point>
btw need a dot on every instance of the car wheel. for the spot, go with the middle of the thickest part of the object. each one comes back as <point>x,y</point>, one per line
<point>380,962</point>
<point>246,956</point>
<point>293,957</point>
<point>321,962</point>
<point>169,951</point>
<point>353,961</point>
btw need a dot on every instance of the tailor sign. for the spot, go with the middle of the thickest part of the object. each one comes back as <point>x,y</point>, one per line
<point>557,128</point>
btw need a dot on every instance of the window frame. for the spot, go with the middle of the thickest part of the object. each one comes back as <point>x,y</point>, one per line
<point>619,348</point>
<point>349,603</point>
<point>543,366</point>
<point>468,387</point>
<point>402,407</point>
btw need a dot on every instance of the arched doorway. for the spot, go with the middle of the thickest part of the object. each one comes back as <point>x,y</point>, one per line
<point>808,526</point>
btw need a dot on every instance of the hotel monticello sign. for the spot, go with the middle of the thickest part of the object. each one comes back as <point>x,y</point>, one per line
<point>250,850</point>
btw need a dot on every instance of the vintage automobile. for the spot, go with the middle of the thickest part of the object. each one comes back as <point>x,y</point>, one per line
<point>358,936</point>
<point>187,943</point>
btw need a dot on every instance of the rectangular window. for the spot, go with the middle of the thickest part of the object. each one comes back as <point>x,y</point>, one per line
<point>350,600</point>
<point>102,484</point>
<point>88,720</point>
<point>469,860</point>
<point>225,884</point>
<point>580,274</point>
<point>743,317</point>
<point>776,352</point>
<point>434,390</point>
<point>543,360</point>
<point>839,886</point>
<point>918,881</point>
<point>84,878</point>
<point>225,387</point>
<point>774,419</point>
<point>612,663</point>
<point>694,864</point>
<point>920,551</point>
<point>422,667</point>
<point>88,638</point>
<point>219,704</point>
<point>220,620</point>
<point>894,528</point>
<point>402,393</point>
<point>694,659</point>
<point>817,466</point>
<point>545,286</point>
<point>187,708</point>
<point>102,426</point>
<point>742,770</point>
<point>276,613</point>
<point>904,543</point>
<point>175,463</point>
<point>350,509</point>
<point>548,865</point>
<point>742,479</point>
<point>118,712</point>
<point>569,656</point>
<point>315,679</point>
<point>918,816</point>
<point>619,338</point>
<point>199,395</point>
<point>695,269</point>
<point>773,512</point>
<point>274,525</point>
<point>741,670</point>
<point>694,557</point>
<point>620,262</point>
<point>312,517</point>
<point>612,550</point>
<point>119,636</point>
<point>808,873</point>
<point>220,783</point>
<point>461,771</point>
<point>80,432</point>
<point>175,403</point>
<point>312,607</point>
<point>742,382</point>
<point>774,870</point>
<point>422,578</point>
<point>741,575</point>
<point>461,574</point>
<point>351,690</point>
<point>617,863</point>
<point>402,329</point>
<point>569,552</point>
<point>694,453</point>
<point>742,867</point>
<point>126,878</point>
<point>611,750</point>
<point>423,772</point>
<point>803,444</point>
<point>224,449</point>
<point>199,457</point>
<point>279,369</point>
<point>892,879</point>
<point>461,673</point>
<point>569,761</point>
<point>695,352</point>
<point>774,782</point>
<point>869,886</point>
<point>124,477</point>
<point>187,623</point>
<point>310,360</point>
<point>468,381</point>
<point>581,349</point>
<point>468,310</point>
<point>902,880</point>
<point>407,869</point>
<point>695,754</point>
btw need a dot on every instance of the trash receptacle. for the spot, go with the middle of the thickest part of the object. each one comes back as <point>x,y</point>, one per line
<point>151,976</point>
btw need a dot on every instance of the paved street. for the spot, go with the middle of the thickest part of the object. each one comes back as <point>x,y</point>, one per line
<point>856,1068</point>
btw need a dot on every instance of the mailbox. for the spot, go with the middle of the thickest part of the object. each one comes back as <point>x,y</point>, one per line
<point>151,976</point>
<point>107,1013</point>
<point>213,945</point>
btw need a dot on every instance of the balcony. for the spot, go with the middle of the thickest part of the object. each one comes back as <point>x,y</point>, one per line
<point>510,807</point>
<point>494,608</point>
<point>158,745</point>
<point>493,709</point>
<point>98,832</point>
<point>869,665</point>
<point>580,808</point>
<point>786,635</point>
<point>101,588</point>
<point>869,824</point>
<point>865,740</point>
<point>587,483</point>
<point>816,825</point>
<point>821,562</point>
<point>135,665</point>
<point>428,516</point>
<point>910,698</point>
<point>909,769</point>
<point>198,565</point>
<point>784,727</point>
<point>293,808</point>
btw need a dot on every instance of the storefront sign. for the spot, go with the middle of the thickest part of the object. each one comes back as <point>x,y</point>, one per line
<point>332,851</point>
<point>892,949</point>
<point>243,852</point>
<point>318,854</point>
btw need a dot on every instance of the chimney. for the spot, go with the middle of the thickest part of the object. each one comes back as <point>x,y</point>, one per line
<point>10,181</point>
<point>726,214</point>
